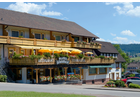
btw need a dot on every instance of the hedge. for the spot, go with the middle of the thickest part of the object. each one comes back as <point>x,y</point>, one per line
<point>131,85</point>
<point>3,78</point>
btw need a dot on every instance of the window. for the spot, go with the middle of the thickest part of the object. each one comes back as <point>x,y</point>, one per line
<point>92,71</point>
<point>102,70</point>
<point>76,39</point>
<point>21,34</point>
<point>37,36</point>
<point>42,36</point>
<point>34,74</point>
<point>107,55</point>
<point>15,34</point>
<point>19,74</point>
<point>29,73</point>
<point>117,64</point>
<point>23,51</point>
<point>58,38</point>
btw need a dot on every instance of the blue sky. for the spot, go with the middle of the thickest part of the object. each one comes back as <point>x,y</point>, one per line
<point>115,22</point>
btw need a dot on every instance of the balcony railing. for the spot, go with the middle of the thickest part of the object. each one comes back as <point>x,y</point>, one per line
<point>41,42</point>
<point>28,61</point>
<point>87,45</point>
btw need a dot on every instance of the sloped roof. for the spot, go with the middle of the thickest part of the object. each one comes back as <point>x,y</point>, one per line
<point>15,18</point>
<point>107,47</point>
<point>120,59</point>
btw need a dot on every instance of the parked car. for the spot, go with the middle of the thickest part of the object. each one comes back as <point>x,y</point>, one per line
<point>128,78</point>
<point>133,80</point>
<point>137,75</point>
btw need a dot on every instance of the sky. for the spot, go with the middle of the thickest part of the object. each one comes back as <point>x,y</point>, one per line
<point>115,22</point>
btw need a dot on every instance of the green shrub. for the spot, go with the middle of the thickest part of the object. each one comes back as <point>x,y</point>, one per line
<point>16,56</point>
<point>56,55</point>
<point>120,83</point>
<point>67,56</point>
<point>47,55</point>
<point>3,78</point>
<point>102,57</point>
<point>132,75</point>
<point>80,55</point>
<point>131,85</point>
<point>86,57</point>
<point>96,56</point>
<point>61,55</point>
<point>35,57</point>
<point>91,57</point>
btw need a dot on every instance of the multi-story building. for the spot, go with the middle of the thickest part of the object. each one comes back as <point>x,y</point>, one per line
<point>28,34</point>
<point>133,67</point>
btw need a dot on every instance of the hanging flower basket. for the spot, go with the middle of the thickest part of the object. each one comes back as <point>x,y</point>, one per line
<point>117,68</point>
<point>110,68</point>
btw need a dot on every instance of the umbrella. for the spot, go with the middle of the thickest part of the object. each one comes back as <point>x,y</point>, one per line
<point>88,53</point>
<point>76,51</point>
<point>44,50</point>
<point>65,51</point>
<point>56,51</point>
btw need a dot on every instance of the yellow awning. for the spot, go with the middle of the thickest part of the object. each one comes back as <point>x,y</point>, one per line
<point>39,47</point>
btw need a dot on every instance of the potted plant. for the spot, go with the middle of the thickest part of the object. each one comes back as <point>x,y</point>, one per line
<point>84,42</point>
<point>79,42</point>
<point>20,36</point>
<point>64,40</point>
<point>91,43</point>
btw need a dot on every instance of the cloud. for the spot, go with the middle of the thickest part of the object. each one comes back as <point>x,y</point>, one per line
<point>100,39</point>
<point>127,8</point>
<point>113,34</point>
<point>127,32</point>
<point>64,18</point>
<point>121,40</point>
<point>51,13</point>
<point>51,4</point>
<point>33,8</point>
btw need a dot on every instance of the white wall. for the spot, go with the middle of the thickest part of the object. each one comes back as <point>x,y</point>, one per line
<point>93,77</point>
<point>113,70</point>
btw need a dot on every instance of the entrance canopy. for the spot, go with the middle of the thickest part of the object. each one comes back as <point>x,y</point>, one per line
<point>40,47</point>
<point>100,66</point>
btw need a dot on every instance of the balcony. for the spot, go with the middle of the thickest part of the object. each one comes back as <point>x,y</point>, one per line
<point>49,43</point>
<point>35,42</point>
<point>87,45</point>
<point>28,61</point>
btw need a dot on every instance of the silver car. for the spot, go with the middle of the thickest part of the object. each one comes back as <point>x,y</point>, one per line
<point>133,80</point>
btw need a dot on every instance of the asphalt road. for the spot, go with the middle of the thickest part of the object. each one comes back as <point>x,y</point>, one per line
<point>74,89</point>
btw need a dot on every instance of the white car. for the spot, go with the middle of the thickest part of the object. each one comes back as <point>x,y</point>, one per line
<point>133,80</point>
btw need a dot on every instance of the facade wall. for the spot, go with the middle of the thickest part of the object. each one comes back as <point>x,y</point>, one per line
<point>96,78</point>
<point>113,70</point>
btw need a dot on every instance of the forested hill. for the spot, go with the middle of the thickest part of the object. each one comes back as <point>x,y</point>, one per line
<point>132,48</point>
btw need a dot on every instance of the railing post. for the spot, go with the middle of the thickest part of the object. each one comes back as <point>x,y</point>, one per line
<point>8,39</point>
<point>34,42</point>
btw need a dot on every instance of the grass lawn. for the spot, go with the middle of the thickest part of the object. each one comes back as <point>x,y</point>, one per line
<point>136,58</point>
<point>37,94</point>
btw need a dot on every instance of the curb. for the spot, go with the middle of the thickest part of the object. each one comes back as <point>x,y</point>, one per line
<point>129,90</point>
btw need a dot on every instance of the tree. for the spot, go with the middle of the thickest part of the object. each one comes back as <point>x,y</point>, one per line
<point>138,71</point>
<point>123,54</point>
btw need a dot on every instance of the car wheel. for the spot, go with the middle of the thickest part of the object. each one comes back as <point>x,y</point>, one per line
<point>128,84</point>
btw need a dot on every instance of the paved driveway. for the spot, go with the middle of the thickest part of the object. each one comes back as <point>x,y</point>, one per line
<point>75,89</point>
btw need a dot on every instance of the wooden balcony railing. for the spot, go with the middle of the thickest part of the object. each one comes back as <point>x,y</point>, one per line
<point>41,42</point>
<point>88,45</point>
<point>28,61</point>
